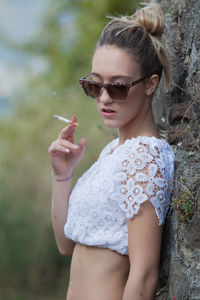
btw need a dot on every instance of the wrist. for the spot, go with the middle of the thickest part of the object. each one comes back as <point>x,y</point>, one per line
<point>64,177</point>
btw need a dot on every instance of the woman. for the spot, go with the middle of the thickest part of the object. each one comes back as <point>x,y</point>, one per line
<point>111,222</point>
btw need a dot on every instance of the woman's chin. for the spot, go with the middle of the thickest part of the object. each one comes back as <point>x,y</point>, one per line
<point>110,124</point>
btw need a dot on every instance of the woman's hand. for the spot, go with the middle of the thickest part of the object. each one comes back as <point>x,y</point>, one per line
<point>64,154</point>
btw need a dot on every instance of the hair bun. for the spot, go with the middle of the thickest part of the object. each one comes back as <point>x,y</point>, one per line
<point>151,17</point>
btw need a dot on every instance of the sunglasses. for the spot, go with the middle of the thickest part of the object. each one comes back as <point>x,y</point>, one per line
<point>116,91</point>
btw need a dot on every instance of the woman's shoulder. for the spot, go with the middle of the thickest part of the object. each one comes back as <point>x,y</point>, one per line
<point>141,143</point>
<point>108,149</point>
<point>139,148</point>
<point>143,149</point>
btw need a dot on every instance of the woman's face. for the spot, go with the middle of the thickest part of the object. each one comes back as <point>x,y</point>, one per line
<point>113,65</point>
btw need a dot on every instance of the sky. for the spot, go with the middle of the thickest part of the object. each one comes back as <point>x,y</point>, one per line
<point>19,21</point>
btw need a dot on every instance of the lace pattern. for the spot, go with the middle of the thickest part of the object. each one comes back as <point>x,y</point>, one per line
<point>113,189</point>
<point>141,175</point>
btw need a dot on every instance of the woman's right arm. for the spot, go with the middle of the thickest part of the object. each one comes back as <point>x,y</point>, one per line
<point>64,156</point>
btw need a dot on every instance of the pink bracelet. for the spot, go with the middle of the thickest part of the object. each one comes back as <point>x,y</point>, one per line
<point>63,179</point>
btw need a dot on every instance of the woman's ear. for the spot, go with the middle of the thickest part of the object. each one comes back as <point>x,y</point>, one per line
<point>152,84</point>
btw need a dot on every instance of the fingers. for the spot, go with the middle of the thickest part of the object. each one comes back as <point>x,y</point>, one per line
<point>67,132</point>
<point>63,146</point>
<point>74,121</point>
<point>65,141</point>
<point>57,148</point>
<point>82,146</point>
<point>82,143</point>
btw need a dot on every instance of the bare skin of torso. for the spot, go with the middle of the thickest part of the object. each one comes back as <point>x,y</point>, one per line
<point>97,273</point>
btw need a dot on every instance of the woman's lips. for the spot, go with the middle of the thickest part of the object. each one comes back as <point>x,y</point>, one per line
<point>108,112</point>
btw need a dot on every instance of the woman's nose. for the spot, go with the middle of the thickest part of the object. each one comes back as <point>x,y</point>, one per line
<point>104,96</point>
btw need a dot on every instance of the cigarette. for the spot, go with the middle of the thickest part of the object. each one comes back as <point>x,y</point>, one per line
<point>65,120</point>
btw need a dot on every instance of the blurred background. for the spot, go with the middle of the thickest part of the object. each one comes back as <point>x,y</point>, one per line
<point>45,47</point>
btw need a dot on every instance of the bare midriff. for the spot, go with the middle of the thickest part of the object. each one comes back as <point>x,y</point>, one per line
<point>97,273</point>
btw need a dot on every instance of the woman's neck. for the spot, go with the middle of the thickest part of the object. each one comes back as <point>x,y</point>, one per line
<point>145,126</point>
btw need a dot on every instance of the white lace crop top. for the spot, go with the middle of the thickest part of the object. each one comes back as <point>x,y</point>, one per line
<point>113,188</point>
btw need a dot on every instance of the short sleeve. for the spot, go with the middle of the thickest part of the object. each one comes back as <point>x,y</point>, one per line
<point>142,174</point>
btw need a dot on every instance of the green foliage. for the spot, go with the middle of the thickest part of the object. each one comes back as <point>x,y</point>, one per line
<point>30,263</point>
<point>184,203</point>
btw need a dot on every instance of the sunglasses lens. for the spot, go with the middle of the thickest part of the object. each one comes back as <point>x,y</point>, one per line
<point>92,89</point>
<point>118,92</point>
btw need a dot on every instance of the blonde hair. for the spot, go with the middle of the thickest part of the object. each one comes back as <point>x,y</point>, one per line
<point>140,34</point>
